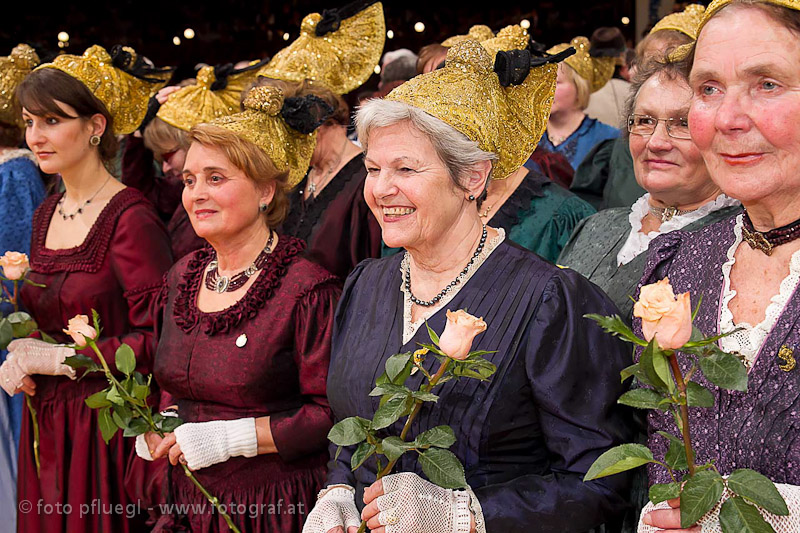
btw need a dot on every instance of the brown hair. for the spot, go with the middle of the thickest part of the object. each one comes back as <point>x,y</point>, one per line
<point>43,88</point>
<point>251,160</point>
<point>10,135</point>
<point>582,87</point>
<point>160,138</point>
<point>290,89</point>
<point>666,40</point>
<point>671,70</point>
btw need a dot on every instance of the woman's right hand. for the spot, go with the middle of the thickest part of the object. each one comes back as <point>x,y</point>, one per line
<point>668,520</point>
<point>163,94</point>
<point>335,512</point>
<point>13,379</point>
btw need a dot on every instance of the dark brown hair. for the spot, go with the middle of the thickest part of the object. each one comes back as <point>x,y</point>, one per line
<point>290,89</point>
<point>10,135</point>
<point>251,160</point>
<point>43,88</point>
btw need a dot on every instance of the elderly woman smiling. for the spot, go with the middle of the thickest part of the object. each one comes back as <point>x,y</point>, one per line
<point>610,247</point>
<point>527,436</point>
<point>745,78</point>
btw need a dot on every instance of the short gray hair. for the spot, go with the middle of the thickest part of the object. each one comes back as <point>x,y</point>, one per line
<point>458,153</point>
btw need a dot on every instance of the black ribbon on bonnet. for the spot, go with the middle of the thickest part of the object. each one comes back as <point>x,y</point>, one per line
<point>332,18</point>
<point>305,113</point>
<point>513,66</point>
<point>137,66</point>
<point>223,72</point>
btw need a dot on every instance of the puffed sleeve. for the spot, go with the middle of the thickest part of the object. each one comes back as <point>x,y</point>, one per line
<point>570,213</point>
<point>572,367</point>
<point>139,256</point>
<point>139,172</point>
<point>304,431</point>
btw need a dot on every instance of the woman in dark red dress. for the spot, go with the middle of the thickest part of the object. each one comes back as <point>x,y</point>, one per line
<point>97,246</point>
<point>245,329</point>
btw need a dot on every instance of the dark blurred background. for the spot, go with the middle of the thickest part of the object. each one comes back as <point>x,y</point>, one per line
<point>233,30</point>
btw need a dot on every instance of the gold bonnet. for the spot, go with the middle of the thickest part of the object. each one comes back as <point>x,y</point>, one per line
<point>200,103</point>
<point>466,94</point>
<point>686,22</point>
<point>596,70</point>
<point>513,37</point>
<point>261,123</point>
<point>125,96</point>
<point>341,60</point>
<point>13,69</point>
<point>479,32</point>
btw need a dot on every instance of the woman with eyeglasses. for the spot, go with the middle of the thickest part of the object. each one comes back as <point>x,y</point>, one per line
<point>609,247</point>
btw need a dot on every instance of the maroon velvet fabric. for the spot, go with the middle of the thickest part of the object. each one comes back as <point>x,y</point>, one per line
<point>553,165</point>
<point>138,171</point>
<point>117,271</point>
<point>281,370</point>
<point>338,225</point>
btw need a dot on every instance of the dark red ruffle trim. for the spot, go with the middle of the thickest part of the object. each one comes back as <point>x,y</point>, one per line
<point>185,312</point>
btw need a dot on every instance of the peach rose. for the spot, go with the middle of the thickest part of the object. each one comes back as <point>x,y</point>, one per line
<point>79,329</point>
<point>459,332</point>
<point>14,265</point>
<point>665,317</point>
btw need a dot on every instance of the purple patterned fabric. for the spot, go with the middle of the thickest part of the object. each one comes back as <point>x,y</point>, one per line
<point>760,428</point>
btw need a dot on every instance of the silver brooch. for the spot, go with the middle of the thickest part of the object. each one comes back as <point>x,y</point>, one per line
<point>241,340</point>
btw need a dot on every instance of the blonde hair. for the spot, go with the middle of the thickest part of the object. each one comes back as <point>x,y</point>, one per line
<point>582,88</point>
<point>251,160</point>
<point>290,89</point>
<point>160,138</point>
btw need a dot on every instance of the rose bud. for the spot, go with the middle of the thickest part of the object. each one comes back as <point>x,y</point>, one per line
<point>665,317</point>
<point>459,333</point>
<point>79,329</point>
<point>14,265</point>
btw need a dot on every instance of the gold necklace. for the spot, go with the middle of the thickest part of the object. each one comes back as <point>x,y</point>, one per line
<point>486,212</point>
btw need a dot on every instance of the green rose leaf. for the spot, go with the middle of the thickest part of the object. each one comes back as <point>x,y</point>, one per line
<point>79,361</point>
<point>443,468</point>
<point>22,325</point>
<point>169,423</point>
<point>736,515</point>
<point>725,371</point>
<point>138,426</point>
<point>125,359</point>
<point>121,416</point>
<point>98,400</point>
<point>661,492</point>
<point>107,426</point>
<point>432,334</point>
<point>440,437</point>
<point>641,399</point>
<point>616,326</point>
<point>425,396</point>
<point>398,367</point>
<point>676,454</point>
<point>700,494</point>
<point>114,396</point>
<point>391,390</point>
<point>758,489</point>
<point>655,367</point>
<point>698,396</point>
<point>362,453</point>
<point>347,432</point>
<point>6,333</point>
<point>393,447</point>
<point>619,459</point>
<point>140,392</point>
<point>388,413</point>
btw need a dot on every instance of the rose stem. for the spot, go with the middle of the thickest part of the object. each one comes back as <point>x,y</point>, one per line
<point>684,407</point>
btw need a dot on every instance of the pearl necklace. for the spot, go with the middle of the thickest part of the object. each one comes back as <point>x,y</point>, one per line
<point>450,286</point>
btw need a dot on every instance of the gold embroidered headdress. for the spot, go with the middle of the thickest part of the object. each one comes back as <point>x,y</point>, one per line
<point>283,128</point>
<point>211,97</point>
<point>513,37</point>
<point>686,22</point>
<point>13,69</point>
<point>467,95</point>
<point>479,32</point>
<point>596,70</point>
<point>337,50</point>
<point>111,81</point>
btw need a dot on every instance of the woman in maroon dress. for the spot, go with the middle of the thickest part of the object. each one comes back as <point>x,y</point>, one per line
<point>245,328</point>
<point>97,246</point>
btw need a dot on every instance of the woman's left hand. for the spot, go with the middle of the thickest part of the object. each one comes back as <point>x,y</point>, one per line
<point>669,520</point>
<point>405,503</point>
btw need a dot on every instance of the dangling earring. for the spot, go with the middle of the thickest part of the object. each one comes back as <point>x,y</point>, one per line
<point>263,208</point>
<point>471,197</point>
<point>94,140</point>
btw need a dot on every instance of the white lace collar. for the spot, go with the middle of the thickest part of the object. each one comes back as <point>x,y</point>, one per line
<point>410,328</point>
<point>16,153</point>
<point>749,339</point>
<point>638,242</point>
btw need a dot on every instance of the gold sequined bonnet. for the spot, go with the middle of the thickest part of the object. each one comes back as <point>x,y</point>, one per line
<point>466,94</point>
<point>261,123</point>
<point>199,103</point>
<point>341,60</point>
<point>479,32</point>
<point>686,22</point>
<point>13,69</point>
<point>124,95</point>
<point>513,37</point>
<point>716,5</point>
<point>596,70</point>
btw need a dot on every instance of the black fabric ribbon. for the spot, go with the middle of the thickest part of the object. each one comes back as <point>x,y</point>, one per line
<point>152,110</point>
<point>513,66</point>
<point>332,18</point>
<point>222,72</point>
<point>305,113</point>
<point>136,66</point>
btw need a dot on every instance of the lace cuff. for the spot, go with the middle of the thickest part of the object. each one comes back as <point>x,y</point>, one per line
<point>477,511</point>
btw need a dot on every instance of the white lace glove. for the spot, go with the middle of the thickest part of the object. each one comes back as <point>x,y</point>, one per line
<point>207,443</point>
<point>710,521</point>
<point>410,504</point>
<point>11,375</point>
<point>336,506</point>
<point>39,357</point>
<point>142,449</point>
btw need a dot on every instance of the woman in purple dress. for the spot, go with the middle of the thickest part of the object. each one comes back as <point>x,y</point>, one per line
<point>245,328</point>
<point>745,77</point>
<point>97,246</point>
